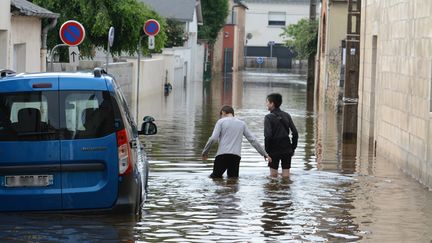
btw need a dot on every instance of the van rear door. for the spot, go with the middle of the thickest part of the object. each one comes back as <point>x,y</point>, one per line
<point>89,157</point>
<point>30,177</point>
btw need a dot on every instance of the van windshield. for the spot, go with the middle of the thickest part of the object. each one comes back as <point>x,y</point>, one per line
<point>51,115</point>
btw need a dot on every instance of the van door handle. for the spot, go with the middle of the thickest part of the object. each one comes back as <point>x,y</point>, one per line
<point>133,144</point>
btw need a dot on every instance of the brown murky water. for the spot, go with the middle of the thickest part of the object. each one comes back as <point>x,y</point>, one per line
<point>332,194</point>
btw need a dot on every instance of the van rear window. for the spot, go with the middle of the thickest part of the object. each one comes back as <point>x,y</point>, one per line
<point>86,114</point>
<point>29,116</point>
<point>50,115</point>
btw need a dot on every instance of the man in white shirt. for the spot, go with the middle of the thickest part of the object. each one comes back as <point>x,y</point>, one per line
<point>229,132</point>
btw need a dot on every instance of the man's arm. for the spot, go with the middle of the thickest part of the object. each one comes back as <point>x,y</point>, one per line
<point>293,132</point>
<point>267,132</point>
<point>212,139</point>
<point>252,140</point>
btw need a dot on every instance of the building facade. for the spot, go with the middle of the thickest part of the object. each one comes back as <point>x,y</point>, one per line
<point>265,20</point>
<point>228,50</point>
<point>395,104</point>
<point>21,36</point>
<point>330,55</point>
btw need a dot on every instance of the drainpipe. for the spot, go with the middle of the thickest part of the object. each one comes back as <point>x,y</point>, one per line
<point>44,36</point>
<point>232,13</point>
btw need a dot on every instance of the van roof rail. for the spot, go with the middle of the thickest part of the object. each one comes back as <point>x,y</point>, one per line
<point>97,72</point>
<point>6,72</point>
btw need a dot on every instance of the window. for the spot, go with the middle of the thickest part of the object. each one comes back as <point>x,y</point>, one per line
<point>28,116</point>
<point>276,18</point>
<point>34,116</point>
<point>87,114</point>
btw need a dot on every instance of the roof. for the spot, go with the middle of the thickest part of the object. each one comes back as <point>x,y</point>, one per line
<point>241,3</point>
<point>182,10</point>
<point>30,9</point>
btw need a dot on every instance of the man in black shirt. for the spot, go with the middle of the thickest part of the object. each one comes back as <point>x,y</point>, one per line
<point>278,126</point>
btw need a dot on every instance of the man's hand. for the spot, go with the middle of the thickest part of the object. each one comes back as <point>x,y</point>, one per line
<point>268,158</point>
<point>204,157</point>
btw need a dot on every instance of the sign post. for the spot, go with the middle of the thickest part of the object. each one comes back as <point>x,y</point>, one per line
<point>260,60</point>
<point>72,33</point>
<point>151,28</point>
<point>74,55</point>
<point>110,43</point>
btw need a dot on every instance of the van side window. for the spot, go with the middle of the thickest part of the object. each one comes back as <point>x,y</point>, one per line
<point>128,115</point>
<point>28,116</point>
<point>86,114</point>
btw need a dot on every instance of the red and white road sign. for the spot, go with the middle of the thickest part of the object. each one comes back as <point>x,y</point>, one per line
<point>72,33</point>
<point>151,27</point>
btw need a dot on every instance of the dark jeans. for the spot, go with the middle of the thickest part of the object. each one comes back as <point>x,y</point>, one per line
<point>285,160</point>
<point>223,162</point>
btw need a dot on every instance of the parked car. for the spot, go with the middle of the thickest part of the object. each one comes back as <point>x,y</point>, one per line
<point>68,142</point>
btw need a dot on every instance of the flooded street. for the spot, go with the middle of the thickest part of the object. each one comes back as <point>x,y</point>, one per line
<point>332,195</point>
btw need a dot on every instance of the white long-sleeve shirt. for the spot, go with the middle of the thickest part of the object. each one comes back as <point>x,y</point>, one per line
<point>229,132</point>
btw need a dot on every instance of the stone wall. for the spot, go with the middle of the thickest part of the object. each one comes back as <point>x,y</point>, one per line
<point>395,83</point>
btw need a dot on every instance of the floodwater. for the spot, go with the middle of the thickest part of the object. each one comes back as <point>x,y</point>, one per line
<point>332,195</point>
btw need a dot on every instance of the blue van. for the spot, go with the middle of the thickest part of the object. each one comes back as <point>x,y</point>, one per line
<point>68,142</point>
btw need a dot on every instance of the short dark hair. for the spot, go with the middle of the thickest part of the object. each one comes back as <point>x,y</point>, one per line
<point>227,109</point>
<point>275,98</point>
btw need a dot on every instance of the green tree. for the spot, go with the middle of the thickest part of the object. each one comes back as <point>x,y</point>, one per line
<point>302,37</point>
<point>215,13</point>
<point>127,17</point>
<point>175,32</point>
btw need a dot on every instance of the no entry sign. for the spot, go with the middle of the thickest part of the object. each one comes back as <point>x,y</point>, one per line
<point>72,33</point>
<point>151,27</point>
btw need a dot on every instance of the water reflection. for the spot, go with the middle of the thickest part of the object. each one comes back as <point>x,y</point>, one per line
<point>327,198</point>
<point>276,207</point>
<point>65,228</point>
<point>335,193</point>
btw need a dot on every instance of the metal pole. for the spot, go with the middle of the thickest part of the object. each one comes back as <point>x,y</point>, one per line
<point>52,55</point>
<point>138,77</point>
<point>245,57</point>
<point>107,58</point>
<point>271,51</point>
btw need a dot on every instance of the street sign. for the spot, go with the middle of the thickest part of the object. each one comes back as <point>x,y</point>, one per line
<point>151,27</point>
<point>260,60</point>
<point>151,42</point>
<point>271,43</point>
<point>74,55</point>
<point>72,33</point>
<point>111,36</point>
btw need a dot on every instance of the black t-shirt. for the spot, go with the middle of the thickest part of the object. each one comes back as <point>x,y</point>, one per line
<point>277,140</point>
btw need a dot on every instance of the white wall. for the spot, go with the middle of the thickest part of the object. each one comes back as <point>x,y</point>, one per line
<point>199,65</point>
<point>152,76</point>
<point>184,55</point>
<point>257,20</point>
<point>5,14</point>
<point>27,32</point>
<point>4,33</point>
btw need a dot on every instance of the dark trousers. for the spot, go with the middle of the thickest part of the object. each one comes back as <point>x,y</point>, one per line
<point>223,162</point>
<point>285,160</point>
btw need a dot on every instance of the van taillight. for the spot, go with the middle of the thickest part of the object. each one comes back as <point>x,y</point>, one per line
<point>124,153</point>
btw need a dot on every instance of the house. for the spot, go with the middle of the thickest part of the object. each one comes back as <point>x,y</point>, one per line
<point>395,97</point>
<point>331,50</point>
<point>22,39</point>
<point>228,51</point>
<point>188,12</point>
<point>265,20</point>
